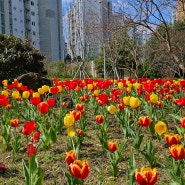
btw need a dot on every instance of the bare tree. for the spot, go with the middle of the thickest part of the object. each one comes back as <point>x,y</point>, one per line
<point>150,14</point>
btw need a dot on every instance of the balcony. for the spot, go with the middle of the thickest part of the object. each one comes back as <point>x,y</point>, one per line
<point>27,26</point>
<point>27,16</point>
<point>27,6</point>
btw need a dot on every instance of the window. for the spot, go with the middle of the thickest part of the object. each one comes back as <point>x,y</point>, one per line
<point>34,33</point>
<point>33,13</point>
<point>32,3</point>
<point>15,19</point>
<point>33,23</point>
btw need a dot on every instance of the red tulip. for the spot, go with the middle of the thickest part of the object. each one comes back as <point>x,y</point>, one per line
<point>112,146</point>
<point>43,107</point>
<point>70,157</point>
<point>35,100</point>
<point>121,106</point>
<point>77,115</point>
<point>51,102</point>
<point>104,98</point>
<point>29,127</point>
<point>79,131</point>
<point>182,121</point>
<point>99,119</point>
<point>2,168</point>
<point>146,176</point>
<point>172,139</point>
<point>144,121</point>
<point>79,169</point>
<point>54,90</point>
<point>36,136</point>
<point>3,100</point>
<point>79,107</point>
<point>30,150</point>
<point>177,151</point>
<point>64,104</point>
<point>14,122</point>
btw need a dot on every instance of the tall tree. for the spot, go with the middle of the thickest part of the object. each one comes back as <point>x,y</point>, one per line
<point>149,15</point>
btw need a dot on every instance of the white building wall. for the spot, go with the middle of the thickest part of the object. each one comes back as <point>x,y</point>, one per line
<point>85,21</point>
<point>51,30</point>
<point>18,25</point>
<point>34,24</point>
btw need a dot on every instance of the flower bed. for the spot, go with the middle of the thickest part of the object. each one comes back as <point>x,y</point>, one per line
<point>116,132</point>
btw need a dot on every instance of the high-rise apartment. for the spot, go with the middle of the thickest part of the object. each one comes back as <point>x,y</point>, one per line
<point>86,21</point>
<point>39,21</point>
<point>51,29</point>
<point>4,17</point>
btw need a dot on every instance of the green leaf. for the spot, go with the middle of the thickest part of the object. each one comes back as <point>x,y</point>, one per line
<point>26,172</point>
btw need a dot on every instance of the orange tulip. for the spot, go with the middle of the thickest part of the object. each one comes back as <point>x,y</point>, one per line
<point>144,121</point>
<point>99,119</point>
<point>112,146</point>
<point>146,176</point>
<point>172,139</point>
<point>70,157</point>
<point>79,169</point>
<point>177,151</point>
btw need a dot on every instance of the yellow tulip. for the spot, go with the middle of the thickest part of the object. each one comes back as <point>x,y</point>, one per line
<point>70,132</point>
<point>137,85</point>
<point>134,102</point>
<point>69,120</point>
<point>15,94</point>
<point>126,100</point>
<point>89,86</point>
<point>59,88</point>
<point>96,92</point>
<point>45,88</point>
<point>112,109</point>
<point>160,127</point>
<point>153,98</point>
<point>5,92</point>
<point>5,83</point>
<point>35,94</point>
<point>41,91</point>
<point>120,85</point>
<point>26,94</point>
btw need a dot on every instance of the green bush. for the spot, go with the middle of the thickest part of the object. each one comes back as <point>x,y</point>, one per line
<point>18,57</point>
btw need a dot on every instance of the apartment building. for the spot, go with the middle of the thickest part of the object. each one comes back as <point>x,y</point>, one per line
<point>51,29</point>
<point>39,21</point>
<point>86,21</point>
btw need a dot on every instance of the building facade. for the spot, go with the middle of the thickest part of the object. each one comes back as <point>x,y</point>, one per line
<point>51,29</point>
<point>86,21</point>
<point>39,21</point>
